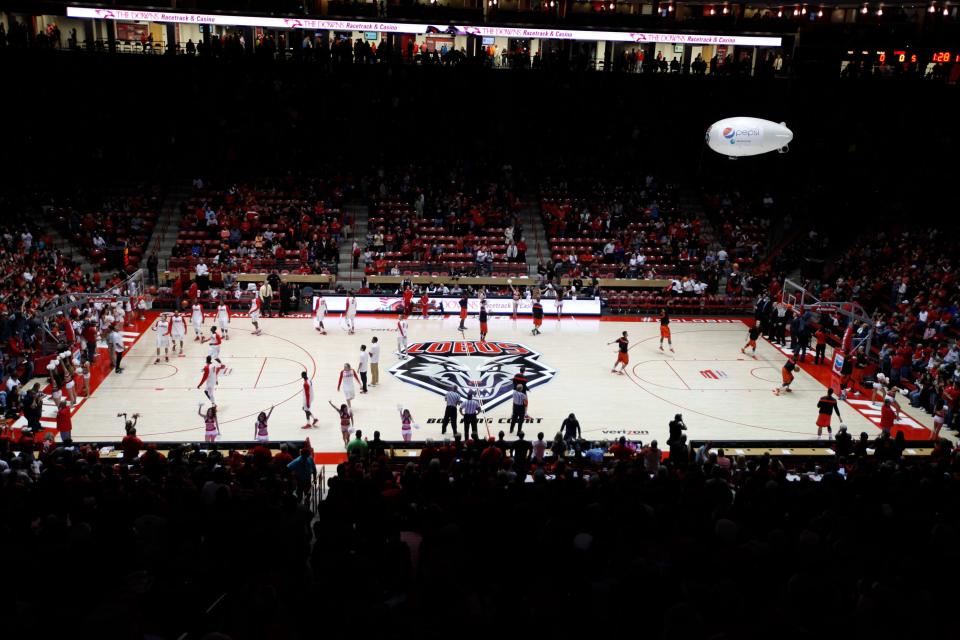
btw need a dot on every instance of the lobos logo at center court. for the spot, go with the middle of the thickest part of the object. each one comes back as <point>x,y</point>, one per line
<point>486,368</point>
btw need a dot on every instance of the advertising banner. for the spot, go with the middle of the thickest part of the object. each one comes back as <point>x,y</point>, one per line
<point>419,29</point>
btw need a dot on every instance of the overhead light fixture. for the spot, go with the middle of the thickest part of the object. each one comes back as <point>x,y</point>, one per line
<point>803,11</point>
<point>933,8</point>
<point>880,11</point>
<point>611,6</point>
<point>780,13</point>
<point>712,11</point>
<point>864,9</point>
<point>670,8</point>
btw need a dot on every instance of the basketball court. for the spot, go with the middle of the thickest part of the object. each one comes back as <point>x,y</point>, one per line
<point>722,394</point>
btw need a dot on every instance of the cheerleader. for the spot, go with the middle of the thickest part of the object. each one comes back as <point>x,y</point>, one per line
<point>69,376</point>
<point>162,327</point>
<point>85,377</point>
<point>319,313</point>
<point>406,424</point>
<point>346,421</point>
<point>178,329</point>
<point>347,379</point>
<point>515,301</point>
<point>260,433</point>
<point>402,337</point>
<point>211,425</point>
<point>255,305</point>
<point>223,319</point>
<point>56,381</point>
<point>561,296</point>
<point>196,319</point>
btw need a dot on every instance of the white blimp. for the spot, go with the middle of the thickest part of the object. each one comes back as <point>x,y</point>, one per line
<point>742,136</point>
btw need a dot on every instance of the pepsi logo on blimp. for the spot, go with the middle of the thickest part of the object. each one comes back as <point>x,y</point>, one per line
<point>743,136</point>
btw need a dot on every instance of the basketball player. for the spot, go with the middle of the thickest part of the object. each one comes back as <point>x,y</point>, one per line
<point>402,337</point>
<point>537,316</point>
<point>196,318</point>
<point>425,305</point>
<point>347,379</point>
<point>787,376</point>
<point>162,327</point>
<point>178,329</point>
<point>463,311</point>
<point>483,321</point>
<point>752,334</point>
<point>515,301</point>
<point>407,300</point>
<point>214,348</point>
<point>308,398</point>
<point>846,373</point>
<point>223,319</point>
<point>319,313</point>
<point>211,374</point>
<point>351,313</point>
<point>821,348</point>
<point>665,330</point>
<point>623,355</point>
<point>255,305</point>
<point>826,408</point>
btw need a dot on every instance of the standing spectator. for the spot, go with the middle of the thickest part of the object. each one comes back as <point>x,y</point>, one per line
<point>374,361</point>
<point>152,264</point>
<point>64,422</point>
<point>266,297</point>
<point>363,367</point>
<point>304,471</point>
<point>115,342</point>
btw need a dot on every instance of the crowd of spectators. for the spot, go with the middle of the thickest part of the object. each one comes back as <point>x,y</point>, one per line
<point>291,224</point>
<point>449,222</point>
<point>907,275</point>
<point>484,535</point>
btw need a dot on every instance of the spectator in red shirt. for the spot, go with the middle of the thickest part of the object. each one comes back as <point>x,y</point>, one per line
<point>65,422</point>
<point>131,445</point>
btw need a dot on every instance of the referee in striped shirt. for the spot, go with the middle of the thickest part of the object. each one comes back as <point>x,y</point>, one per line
<point>450,413</point>
<point>469,411</point>
<point>519,409</point>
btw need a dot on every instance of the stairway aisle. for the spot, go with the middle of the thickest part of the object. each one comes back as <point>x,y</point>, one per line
<point>346,275</point>
<point>168,224</point>
<point>535,234</point>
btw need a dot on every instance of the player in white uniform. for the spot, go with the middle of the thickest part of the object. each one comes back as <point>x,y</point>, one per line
<point>308,399</point>
<point>319,312</point>
<point>196,318</point>
<point>215,342</point>
<point>211,373</point>
<point>255,306</point>
<point>351,313</point>
<point>178,329</point>
<point>347,378</point>
<point>402,334</point>
<point>223,319</point>
<point>162,327</point>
